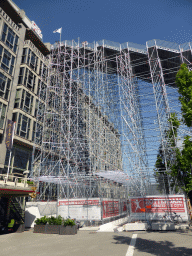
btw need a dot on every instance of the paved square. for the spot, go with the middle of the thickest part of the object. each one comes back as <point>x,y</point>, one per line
<point>90,243</point>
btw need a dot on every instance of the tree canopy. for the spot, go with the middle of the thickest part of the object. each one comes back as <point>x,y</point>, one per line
<point>180,168</point>
<point>184,84</point>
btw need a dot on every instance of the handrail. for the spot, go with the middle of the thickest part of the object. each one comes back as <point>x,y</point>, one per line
<point>13,180</point>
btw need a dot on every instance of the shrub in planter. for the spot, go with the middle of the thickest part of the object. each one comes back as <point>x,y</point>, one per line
<point>54,224</point>
<point>69,222</point>
<point>41,221</point>
<point>40,225</point>
<point>55,221</point>
<point>68,228</point>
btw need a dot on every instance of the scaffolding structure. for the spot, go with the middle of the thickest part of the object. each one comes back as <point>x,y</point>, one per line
<point>102,114</point>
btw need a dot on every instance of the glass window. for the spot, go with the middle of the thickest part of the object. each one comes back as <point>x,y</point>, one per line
<point>24,57</point>
<point>21,74</point>
<point>23,126</point>
<point>27,102</point>
<point>17,98</point>
<point>4,86</point>
<point>7,60</point>
<point>43,91</point>
<point>40,68</point>
<point>2,114</point>
<point>32,59</point>
<point>29,80</point>
<point>33,133</point>
<point>9,38</point>
<point>1,51</point>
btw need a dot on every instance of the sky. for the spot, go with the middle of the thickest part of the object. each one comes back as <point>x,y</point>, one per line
<point>120,21</point>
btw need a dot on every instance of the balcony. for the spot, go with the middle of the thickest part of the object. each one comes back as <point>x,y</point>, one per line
<point>14,185</point>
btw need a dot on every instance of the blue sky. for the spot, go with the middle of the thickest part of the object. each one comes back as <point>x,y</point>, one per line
<point>120,21</point>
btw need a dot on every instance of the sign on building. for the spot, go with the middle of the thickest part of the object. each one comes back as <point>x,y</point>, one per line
<point>9,134</point>
<point>36,29</point>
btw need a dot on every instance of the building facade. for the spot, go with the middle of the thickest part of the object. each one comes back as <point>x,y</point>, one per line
<point>23,55</point>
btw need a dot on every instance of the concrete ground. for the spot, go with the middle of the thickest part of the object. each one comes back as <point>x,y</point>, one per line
<point>92,243</point>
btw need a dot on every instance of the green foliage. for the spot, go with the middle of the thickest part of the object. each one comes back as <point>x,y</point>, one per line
<point>30,182</point>
<point>184,84</point>
<point>161,175</point>
<point>182,169</point>
<point>51,220</point>
<point>69,222</point>
<point>41,221</point>
<point>172,132</point>
<point>181,165</point>
<point>55,221</point>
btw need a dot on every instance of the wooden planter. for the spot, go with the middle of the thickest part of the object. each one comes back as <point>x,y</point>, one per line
<point>19,228</point>
<point>52,229</point>
<point>68,230</point>
<point>39,229</point>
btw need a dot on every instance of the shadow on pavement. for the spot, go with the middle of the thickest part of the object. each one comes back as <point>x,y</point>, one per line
<point>158,248</point>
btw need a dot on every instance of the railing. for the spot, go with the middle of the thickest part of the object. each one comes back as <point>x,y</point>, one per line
<point>105,43</point>
<point>161,44</point>
<point>14,181</point>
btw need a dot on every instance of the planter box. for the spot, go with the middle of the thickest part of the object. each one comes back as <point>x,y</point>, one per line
<point>52,229</point>
<point>135,226</point>
<point>68,230</point>
<point>39,229</point>
<point>19,228</point>
<point>163,226</point>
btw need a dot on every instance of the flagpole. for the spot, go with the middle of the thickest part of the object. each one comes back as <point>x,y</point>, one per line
<point>60,36</point>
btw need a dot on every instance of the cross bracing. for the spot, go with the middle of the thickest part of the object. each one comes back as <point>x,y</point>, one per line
<point>104,107</point>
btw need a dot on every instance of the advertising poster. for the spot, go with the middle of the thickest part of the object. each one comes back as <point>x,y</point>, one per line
<point>114,207</point>
<point>80,209</point>
<point>156,206</point>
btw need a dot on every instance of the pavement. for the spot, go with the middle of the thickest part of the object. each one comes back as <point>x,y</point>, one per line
<point>92,243</point>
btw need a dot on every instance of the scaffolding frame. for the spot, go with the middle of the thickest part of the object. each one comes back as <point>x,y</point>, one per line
<point>97,116</point>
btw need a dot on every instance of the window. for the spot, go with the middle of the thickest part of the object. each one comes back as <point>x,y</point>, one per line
<point>29,80</point>
<point>7,62</point>
<point>17,98</point>
<point>4,86</point>
<point>23,126</point>
<point>1,52</point>
<point>2,114</point>
<point>10,38</point>
<point>33,132</point>
<point>41,111</point>
<point>40,68</point>
<point>21,74</point>
<point>32,59</point>
<point>37,133</point>
<point>27,102</point>
<point>24,56</point>
<point>43,91</point>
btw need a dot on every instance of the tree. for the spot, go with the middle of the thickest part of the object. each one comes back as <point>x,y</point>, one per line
<point>179,161</point>
<point>160,172</point>
<point>182,168</point>
<point>184,84</point>
<point>163,178</point>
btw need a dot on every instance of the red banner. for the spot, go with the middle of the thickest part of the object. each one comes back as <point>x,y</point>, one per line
<point>157,204</point>
<point>110,208</point>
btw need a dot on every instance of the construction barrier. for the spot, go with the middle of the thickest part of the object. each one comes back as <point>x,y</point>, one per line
<point>154,207</point>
